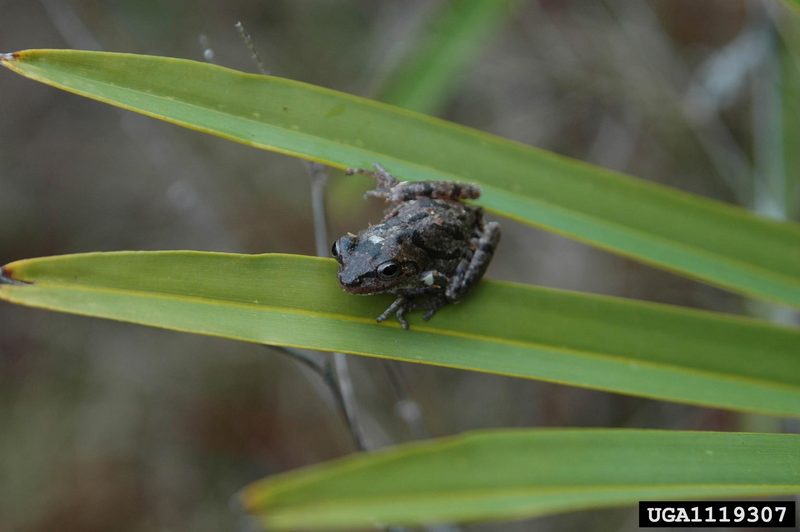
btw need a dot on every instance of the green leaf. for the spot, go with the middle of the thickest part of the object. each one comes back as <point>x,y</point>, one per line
<point>431,72</point>
<point>789,27</point>
<point>700,238</point>
<point>525,473</point>
<point>597,342</point>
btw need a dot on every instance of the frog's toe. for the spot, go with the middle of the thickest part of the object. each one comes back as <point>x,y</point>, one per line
<point>385,314</point>
<point>399,308</point>
<point>401,317</point>
<point>377,193</point>
<point>428,315</point>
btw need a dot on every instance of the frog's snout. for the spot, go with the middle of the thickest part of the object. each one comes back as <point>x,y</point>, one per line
<point>355,284</point>
<point>349,279</point>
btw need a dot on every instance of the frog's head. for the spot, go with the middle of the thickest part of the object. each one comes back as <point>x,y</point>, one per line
<point>371,264</point>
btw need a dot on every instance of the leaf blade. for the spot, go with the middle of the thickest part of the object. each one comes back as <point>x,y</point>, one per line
<point>598,342</point>
<point>701,238</point>
<point>434,67</point>
<point>523,473</point>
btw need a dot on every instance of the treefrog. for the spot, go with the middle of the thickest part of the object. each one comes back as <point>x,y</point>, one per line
<point>429,249</point>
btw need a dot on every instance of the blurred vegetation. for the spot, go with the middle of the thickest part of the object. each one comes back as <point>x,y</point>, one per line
<point>112,427</point>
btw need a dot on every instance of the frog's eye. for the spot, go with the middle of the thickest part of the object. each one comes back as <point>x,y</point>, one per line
<point>335,248</point>
<point>389,270</point>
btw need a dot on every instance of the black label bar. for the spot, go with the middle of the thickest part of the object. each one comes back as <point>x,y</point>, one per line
<point>739,514</point>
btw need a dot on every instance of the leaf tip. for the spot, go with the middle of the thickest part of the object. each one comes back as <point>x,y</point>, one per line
<point>244,500</point>
<point>7,277</point>
<point>8,57</point>
<point>238,505</point>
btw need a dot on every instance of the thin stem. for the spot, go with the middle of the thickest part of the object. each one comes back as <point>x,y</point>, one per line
<point>331,376</point>
<point>340,376</point>
<point>319,179</point>
<point>341,372</point>
<point>311,362</point>
<point>248,41</point>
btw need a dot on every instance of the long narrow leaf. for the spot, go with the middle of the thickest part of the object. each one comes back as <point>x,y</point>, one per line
<point>598,342</point>
<point>789,28</point>
<point>433,69</point>
<point>516,474</point>
<point>701,238</point>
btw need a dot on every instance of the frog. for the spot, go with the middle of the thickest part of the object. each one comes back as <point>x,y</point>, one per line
<point>429,250</point>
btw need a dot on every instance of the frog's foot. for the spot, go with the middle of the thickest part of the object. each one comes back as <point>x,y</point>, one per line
<point>433,306</point>
<point>399,307</point>
<point>432,299</point>
<point>386,181</point>
<point>470,271</point>
<point>394,191</point>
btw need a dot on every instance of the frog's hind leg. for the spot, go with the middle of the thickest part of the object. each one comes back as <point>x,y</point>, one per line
<point>469,272</point>
<point>386,181</point>
<point>394,191</point>
<point>447,190</point>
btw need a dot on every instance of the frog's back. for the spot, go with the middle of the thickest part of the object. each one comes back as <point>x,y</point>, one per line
<point>441,229</point>
<point>421,213</point>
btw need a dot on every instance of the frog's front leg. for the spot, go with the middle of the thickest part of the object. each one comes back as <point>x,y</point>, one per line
<point>470,271</point>
<point>395,192</point>
<point>399,307</point>
<point>434,284</point>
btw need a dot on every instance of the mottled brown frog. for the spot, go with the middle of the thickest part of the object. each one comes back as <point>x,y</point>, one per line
<point>429,250</point>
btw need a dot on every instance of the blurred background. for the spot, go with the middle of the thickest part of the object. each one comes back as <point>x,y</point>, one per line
<point>107,426</point>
